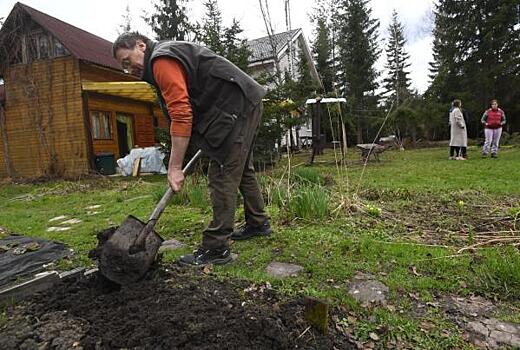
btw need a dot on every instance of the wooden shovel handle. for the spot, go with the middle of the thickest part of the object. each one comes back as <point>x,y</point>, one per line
<point>139,242</point>
<point>169,192</point>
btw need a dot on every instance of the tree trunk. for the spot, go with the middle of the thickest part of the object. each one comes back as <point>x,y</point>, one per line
<point>359,130</point>
<point>414,135</point>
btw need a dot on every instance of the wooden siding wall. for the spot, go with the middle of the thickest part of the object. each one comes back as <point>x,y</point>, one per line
<point>143,123</point>
<point>144,130</point>
<point>161,119</point>
<point>91,72</point>
<point>44,120</point>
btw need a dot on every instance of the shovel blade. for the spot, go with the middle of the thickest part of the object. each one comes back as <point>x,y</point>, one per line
<point>115,261</point>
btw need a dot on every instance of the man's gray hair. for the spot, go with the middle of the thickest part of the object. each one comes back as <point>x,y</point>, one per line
<point>128,41</point>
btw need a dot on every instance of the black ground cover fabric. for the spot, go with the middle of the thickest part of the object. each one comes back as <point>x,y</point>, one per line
<point>14,265</point>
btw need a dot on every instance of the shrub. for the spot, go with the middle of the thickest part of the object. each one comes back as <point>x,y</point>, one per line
<point>198,196</point>
<point>193,193</point>
<point>308,202</point>
<point>279,196</point>
<point>308,176</point>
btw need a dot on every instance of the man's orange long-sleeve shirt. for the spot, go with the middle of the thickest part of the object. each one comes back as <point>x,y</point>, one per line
<point>171,79</point>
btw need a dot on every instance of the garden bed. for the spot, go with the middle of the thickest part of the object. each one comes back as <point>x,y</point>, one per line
<point>171,309</point>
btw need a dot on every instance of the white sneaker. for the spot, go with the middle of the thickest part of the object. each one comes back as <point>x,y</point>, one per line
<point>460,158</point>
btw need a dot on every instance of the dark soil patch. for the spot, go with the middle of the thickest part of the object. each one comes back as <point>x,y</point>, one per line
<point>175,309</point>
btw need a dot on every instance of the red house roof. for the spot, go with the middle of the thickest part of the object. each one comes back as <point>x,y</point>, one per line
<point>80,43</point>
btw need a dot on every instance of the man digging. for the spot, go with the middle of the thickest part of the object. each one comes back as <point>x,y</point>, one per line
<point>217,107</point>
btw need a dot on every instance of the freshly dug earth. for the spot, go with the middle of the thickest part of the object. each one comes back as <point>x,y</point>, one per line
<point>172,308</point>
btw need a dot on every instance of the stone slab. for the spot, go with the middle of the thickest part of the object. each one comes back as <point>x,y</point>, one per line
<point>368,291</point>
<point>283,270</point>
<point>171,244</point>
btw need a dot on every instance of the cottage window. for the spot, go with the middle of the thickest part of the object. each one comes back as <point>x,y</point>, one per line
<point>40,46</point>
<point>43,46</point>
<point>59,49</point>
<point>101,126</point>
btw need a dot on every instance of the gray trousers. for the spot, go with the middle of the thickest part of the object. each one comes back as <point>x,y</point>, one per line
<point>492,139</point>
<point>236,173</point>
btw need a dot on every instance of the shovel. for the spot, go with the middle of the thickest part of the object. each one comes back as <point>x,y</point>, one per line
<point>130,251</point>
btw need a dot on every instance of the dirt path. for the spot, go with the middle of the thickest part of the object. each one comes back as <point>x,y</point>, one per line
<point>175,309</point>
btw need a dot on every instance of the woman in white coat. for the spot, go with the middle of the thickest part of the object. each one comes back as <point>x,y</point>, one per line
<point>458,132</point>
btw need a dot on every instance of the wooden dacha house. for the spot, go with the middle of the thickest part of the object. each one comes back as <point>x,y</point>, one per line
<point>65,101</point>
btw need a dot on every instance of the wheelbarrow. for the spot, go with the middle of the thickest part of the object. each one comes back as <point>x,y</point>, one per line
<point>127,255</point>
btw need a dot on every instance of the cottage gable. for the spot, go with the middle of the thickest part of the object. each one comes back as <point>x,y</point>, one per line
<point>29,34</point>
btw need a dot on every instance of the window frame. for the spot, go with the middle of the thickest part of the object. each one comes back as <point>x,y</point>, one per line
<point>102,129</point>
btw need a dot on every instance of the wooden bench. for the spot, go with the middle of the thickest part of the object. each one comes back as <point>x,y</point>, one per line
<point>370,149</point>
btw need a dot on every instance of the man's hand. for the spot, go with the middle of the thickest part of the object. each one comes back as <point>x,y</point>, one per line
<point>176,179</point>
<point>175,175</point>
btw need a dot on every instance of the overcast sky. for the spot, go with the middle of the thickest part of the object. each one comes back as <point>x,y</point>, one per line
<point>102,17</point>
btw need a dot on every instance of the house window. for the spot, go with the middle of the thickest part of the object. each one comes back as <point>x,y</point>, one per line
<point>101,126</point>
<point>43,46</point>
<point>59,49</point>
<point>40,46</point>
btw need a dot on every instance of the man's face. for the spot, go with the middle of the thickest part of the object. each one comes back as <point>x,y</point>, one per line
<point>494,105</point>
<point>132,60</point>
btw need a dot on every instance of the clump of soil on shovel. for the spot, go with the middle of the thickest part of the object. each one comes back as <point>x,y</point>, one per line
<point>172,308</point>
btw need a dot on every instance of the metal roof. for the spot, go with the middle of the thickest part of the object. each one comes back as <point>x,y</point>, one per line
<point>135,90</point>
<point>261,48</point>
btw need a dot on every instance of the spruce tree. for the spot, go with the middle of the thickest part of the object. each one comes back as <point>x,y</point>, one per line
<point>358,53</point>
<point>223,40</point>
<point>322,49</point>
<point>211,28</point>
<point>450,34</point>
<point>477,56</point>
<point>322,46</point>
<point>237,50</point>
<point>127,20</point>
<point>397,83</point>
<point>169,22</point>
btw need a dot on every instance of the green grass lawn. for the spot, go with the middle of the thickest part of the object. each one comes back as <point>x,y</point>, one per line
<point>402,220</point>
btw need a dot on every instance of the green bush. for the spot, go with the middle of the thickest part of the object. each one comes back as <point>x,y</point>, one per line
<point>308,176</point>
<point>198,196</point>
<point>308,202</point>
<point>193,193</point>
<point>279,196</point>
